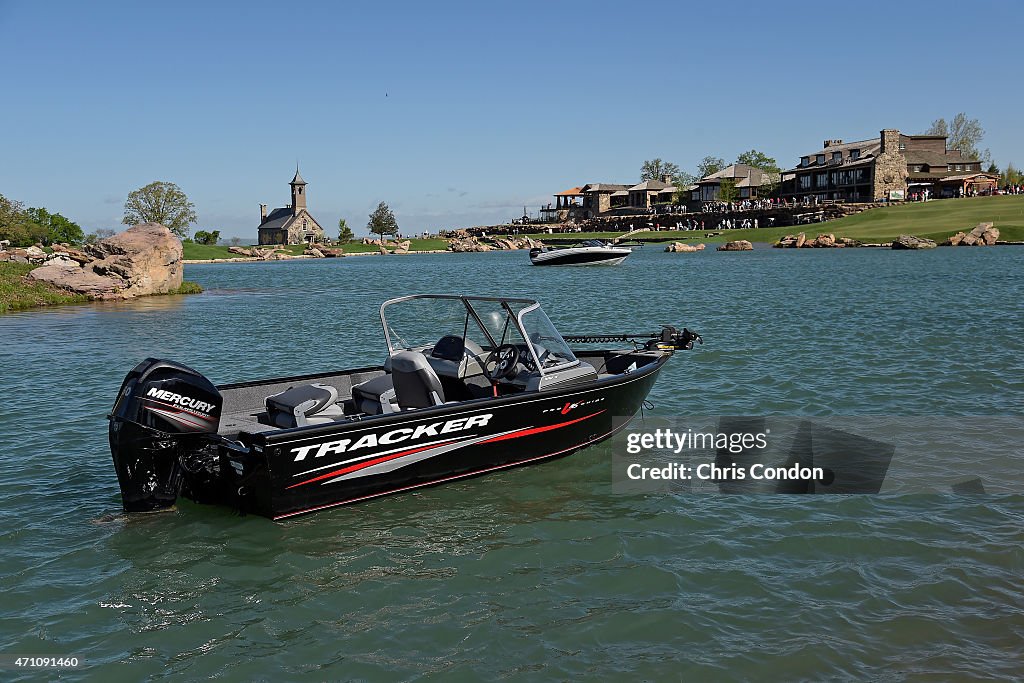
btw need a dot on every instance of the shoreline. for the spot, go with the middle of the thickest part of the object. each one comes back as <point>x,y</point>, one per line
<point>302,257</point>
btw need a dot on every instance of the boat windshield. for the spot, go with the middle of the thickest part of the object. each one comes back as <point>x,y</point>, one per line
<point>551,349</point>
<point>419,322</point>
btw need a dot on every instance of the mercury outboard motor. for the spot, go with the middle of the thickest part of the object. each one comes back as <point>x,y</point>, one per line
<point>163,411</point>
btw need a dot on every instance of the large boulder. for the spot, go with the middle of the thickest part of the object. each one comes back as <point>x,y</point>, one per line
<point>983,234</point>
<point>986,233</point>
<point>737,245</point>
<point>912,242</point>
<point>144,259</point>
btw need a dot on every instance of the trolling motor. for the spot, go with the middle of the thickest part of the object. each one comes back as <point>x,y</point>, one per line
<point>670,338</point>
<point>162,410</point>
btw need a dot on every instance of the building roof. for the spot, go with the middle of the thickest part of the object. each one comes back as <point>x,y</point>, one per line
<point>965,176</point>
<point>285,212</point>
<point>620,193</point>
<point>872,146</point>
<point>604,187</point>
<point>753,177</point>
<point>278,218</point>
<point>297,180</point>
<point>571,192</point>
<point>937,159</point>
<point>650,186</point>
<point>868,150</point>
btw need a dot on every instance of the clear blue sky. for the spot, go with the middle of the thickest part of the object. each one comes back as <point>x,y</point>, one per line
<point>461,113</point>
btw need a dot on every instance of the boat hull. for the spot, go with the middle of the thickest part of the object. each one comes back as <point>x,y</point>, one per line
<point>579,256</point>
<point>298,471</point>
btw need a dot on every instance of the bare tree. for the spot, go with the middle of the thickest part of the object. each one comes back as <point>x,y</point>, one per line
<point>656,169</point>
<point>963,134</point>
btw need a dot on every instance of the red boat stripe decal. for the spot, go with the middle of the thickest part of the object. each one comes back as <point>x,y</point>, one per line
<point>368,463</point>
<point>411,458</point>
<point>537,430</point>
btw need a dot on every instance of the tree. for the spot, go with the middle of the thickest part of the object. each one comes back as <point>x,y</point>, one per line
<point>345,234</point>
<point>759,160</point>
<point>235,241</point>
<point>58,228</point>
<point>382,221</point>
<point>17,226</point>
<point>727,191</point>
<point>938,127</point>
<point>1012,175</point>
<point>963,134</point>
<point>656,169</point>
<point>204,237</point>
<point>163,203</point>
<point>709,165</point>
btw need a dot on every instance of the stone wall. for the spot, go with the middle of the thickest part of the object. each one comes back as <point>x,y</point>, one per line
<point>296,233</point>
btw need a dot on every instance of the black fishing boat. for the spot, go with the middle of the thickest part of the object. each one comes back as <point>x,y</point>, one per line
<point>586,253</point>
<point>470,385</point>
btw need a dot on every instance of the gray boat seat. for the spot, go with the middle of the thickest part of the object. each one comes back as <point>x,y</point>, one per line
<point>455,357</point>
<point>307,404</point>
<point>375,396</point>
<point>416,383</point>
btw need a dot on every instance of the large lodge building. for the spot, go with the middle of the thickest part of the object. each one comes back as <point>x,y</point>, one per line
<point>886,168</point>
<point>889,167</point>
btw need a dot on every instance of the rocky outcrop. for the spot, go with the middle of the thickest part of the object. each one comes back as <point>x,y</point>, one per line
<point>401,247</point>
<point>736,245</point>
<point>823,241</point>
<point>466,244</point>
<point>144,259</point>
<point>264,254</point>
<point>680,248</point>
<point>313,252</point>
<point>912,242</point>
<point>511,243</point>
<point>330,252</point>
<point>983,234</point>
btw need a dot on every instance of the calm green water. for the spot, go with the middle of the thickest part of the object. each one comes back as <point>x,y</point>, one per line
<point>542,571</point>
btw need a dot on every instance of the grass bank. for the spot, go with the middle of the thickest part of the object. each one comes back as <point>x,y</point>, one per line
<point>936,220</point>
<point>18,292</point>
<point>206,252</point>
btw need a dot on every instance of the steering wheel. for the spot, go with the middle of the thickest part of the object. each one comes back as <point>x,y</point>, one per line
<point>505,358</point>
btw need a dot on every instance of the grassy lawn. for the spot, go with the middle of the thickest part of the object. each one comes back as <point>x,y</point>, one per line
<point>18,292</point>
<point>936,220</point>
<point>196,252</point>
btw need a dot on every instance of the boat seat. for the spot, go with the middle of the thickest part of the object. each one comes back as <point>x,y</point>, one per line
<point>307,404</point>
<point>375,396</point>
<point>416,383</point>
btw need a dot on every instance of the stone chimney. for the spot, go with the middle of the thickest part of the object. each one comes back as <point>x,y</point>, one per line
<point>890,140</point>
<point>263,213</point>
<point>667,179</point>
<point>829,143</point>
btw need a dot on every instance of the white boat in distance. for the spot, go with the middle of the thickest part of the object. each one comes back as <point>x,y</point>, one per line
<point>586,253</point>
